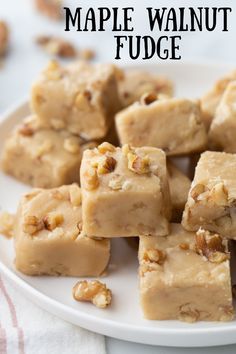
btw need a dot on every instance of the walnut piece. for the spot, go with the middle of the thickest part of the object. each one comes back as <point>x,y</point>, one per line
<point>75,195</point>
<point>25,130</point>
<point>57,46</point>
<point>50,8</point>
<point>91,180</point>
<point>106,147</point>
<point>93,291</point>
<point>148,98</point>
<point>116,182</point>
<point>53,220</point>
<point>106,165</point>
<point>32,224</point>
<point>184,246</point>
<point>197,190</point>
<point>155,256</point>
<point>188,314</point>
<point>7,222</point>
<point>210,246</point>
<point>137,164</point>
<point>4,38</point>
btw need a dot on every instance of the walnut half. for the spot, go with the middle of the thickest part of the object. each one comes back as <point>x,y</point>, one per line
<point>93,291</point>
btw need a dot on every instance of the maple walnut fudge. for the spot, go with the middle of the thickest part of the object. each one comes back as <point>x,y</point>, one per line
<point>223,127</point>
<point>48,238</point>
<point>133,84</point>
<point>179,187</point>
<point>173,125</point>
<point>80,98</point>
<point>125,191</point>
<point>212,197</point>
<point>43,157</point>
<point>185,276</point>
<point>211,100</point>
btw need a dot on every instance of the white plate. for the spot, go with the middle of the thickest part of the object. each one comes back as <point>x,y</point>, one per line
<point>123,319</point>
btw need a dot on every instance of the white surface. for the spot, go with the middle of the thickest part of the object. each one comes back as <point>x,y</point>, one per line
<point>26,329</point>
<point>25,61</point>
<point>123,319</point>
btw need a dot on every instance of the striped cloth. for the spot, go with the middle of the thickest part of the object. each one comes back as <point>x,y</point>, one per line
<point>26,329</point>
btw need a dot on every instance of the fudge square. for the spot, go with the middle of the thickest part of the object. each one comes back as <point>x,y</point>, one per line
<point>48,238</point>
<point>42,157</point>
<point>212,197</point>
<point>179,185</point>
<point>125,191</point>
<point>80,98</point>
<point>222,132</point>
<point>211,100</point>
<point>135,83</point>
<point>173,125</point>
<point>185,276</point>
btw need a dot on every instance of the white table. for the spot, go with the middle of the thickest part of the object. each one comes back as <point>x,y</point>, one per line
<point>25,61</point>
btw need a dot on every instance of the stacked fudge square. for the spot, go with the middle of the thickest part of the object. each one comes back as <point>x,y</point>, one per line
<point>121,136</point>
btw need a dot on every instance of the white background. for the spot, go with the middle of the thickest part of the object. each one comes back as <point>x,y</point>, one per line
<point>25,60</point>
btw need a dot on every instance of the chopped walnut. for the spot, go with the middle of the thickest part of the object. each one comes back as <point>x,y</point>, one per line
<point>72,145</point>
<point>106,165</point>
<point>57,46</point>
<point>32,224</point>
<point>91,180</point>
<point>184,246</point>
<point>211,246</point>
<point>25,130</point>
<point>137,164</point>
<point>126,149</point>
<point>75,195</point>
<point>219,194</point>
<point>50,8</point>
<point>148,98</point>
<point>188,314</point>
<point>116,182</point>
<point>106,147</point>
<point>4,38</point>
<point>53,220</point>
<point>7,222</point>
<point>197,190</point>
<point>93,291</point>
<point>155,255</point>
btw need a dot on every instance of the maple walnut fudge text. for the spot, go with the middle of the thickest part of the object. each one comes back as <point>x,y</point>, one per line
<point>160,20</point>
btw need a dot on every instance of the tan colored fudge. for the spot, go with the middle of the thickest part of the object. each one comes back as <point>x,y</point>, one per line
<point>43,157</point>
<point>48,238</point>
<point>222,134</point>
<point>179,187</point>
<point>212,197</point>
<point>173,125</point>
<point>185,276</point>
<point>135,83</point>
<point>211,99</point>
<point>125,191</point>
<point>80,98</point>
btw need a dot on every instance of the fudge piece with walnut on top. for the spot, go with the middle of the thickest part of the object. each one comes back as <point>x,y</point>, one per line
<point>185,276</point>
<point>125,191</point>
